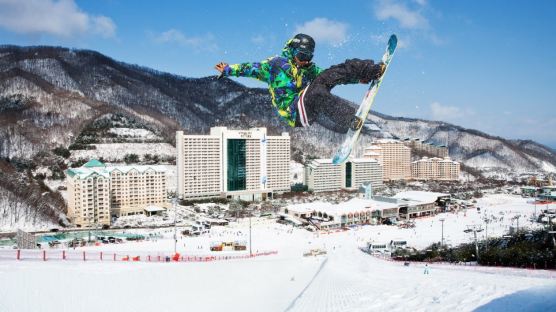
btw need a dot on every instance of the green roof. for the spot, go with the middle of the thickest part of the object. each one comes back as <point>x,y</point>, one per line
<point>71,173</point>
<point>84,173</point>
<point>93,163</point>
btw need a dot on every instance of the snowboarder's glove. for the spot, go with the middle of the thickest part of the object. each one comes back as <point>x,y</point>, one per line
<point>221,67</point>
<point>377,72</point>
<point>382,69</point>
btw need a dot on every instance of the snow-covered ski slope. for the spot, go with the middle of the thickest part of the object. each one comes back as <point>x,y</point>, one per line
<point>346,279</point>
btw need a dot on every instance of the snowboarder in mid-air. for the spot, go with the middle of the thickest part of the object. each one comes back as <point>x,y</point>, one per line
<point>300,90</point>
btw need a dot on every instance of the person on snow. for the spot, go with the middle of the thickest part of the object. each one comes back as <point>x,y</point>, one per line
<point>300,90</point>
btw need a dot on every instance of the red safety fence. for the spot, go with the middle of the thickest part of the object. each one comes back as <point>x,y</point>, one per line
<point>125,256</point>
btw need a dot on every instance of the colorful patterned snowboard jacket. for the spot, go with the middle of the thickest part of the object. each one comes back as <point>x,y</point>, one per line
<point>284,78</point>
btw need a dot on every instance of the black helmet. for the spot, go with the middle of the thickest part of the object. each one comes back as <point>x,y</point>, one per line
<point>303,47</point>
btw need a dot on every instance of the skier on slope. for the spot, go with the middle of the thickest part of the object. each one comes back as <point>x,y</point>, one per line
<point>300,90</point>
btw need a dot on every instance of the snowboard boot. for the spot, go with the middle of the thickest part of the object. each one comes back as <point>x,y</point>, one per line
<point>350,71</point>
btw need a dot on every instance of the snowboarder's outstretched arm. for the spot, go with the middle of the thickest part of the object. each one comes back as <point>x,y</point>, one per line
<point>257,70</point>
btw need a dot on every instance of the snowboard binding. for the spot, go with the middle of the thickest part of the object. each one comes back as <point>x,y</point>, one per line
<point>356,123</point>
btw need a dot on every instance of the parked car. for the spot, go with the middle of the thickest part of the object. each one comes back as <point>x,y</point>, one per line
<point>54,243</point>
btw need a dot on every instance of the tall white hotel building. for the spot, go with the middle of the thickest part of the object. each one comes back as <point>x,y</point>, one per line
<point>239,164</point>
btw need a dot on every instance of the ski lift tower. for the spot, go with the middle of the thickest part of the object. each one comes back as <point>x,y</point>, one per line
<point>474,228</point>
<point>517,222</point>
<point>442,239</point>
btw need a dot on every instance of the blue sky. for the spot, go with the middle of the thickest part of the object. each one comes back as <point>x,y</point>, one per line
<point>486,65</point>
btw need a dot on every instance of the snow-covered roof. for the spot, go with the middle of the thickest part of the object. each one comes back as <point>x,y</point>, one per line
<point>363,160</point>
<point>420,196</point>
<point>309,207</point>
<point>85,172</point>
<point>126,169</point>
<point>352,206</point>
<point>359,204</point>
<point>353,160</point>
<point>387,141</point>
<point>154,209</point>
<point>373,147</point>
<point>323,161</point>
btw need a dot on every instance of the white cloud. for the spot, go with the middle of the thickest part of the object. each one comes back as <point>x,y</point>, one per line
<point>325,31</point>
<point>206,43</point>
<point>449,113</point>
<point>61,18</point>
<point>407,18</point>
<point>403,43</point>
<point>104,26</point>
<point>435,39</point>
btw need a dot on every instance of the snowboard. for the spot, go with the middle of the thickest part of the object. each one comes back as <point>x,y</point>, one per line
<point>358,121</point>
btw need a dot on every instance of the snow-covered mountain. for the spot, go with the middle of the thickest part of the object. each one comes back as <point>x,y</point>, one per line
<point>474,148</point>
<point>49,94</point>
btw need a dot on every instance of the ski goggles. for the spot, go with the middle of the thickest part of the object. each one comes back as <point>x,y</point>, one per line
<point>304,56</point>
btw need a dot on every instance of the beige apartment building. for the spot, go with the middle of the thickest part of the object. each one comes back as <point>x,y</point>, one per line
<point>135,188</point>
<point>88,195</point>
<point>443,169</point>
<point>97,192</point>
<point>243,164</point>
<point>394,156</point>
<point>322,176</point>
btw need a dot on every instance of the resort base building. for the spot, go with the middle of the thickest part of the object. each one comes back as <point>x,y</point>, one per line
<point>376,210</point>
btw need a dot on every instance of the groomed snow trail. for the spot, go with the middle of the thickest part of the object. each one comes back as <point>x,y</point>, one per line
<point>350,280</point>
<point>309,284</point>
<point>355,281</point>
